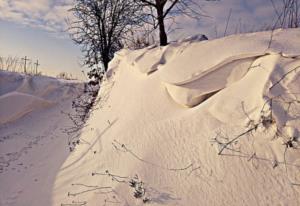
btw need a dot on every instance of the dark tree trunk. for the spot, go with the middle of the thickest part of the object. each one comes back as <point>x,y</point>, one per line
<point>105,60</point>
<point>105,63</point>
<point>161,24</point>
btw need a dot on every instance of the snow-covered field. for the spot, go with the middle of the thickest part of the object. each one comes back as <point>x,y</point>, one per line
<point>193,123</point>
<point>33,145</point>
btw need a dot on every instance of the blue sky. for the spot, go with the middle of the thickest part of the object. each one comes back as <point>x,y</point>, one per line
<point>54,53</point>
<point>36,28</point>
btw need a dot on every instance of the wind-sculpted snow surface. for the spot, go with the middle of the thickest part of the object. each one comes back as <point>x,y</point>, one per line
<point>194,123</point>
<point>199,123</point>
<point>15,105</point>
<point>194,92</point>
<point>182,67</point>
<point>22,94</point>
<point>219,63</point>
<point>33,141</point>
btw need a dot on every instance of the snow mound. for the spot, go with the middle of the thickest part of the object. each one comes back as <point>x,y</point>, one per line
<point>182,68</point>
<point>195,92</point>
<point>33,137</point>
<point>194,38</point>
<point>21,94</point>
<point>146,60</point>
<point>10,81</point>
<point>189,82</point>
<point>193,123</point>
<point>218,118</point>
<point>285,42</point>
<point>14,105</point>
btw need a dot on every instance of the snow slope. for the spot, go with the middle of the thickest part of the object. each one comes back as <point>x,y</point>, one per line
<point>21,94</point>
<point>198,122</point>
<point>32,142</point>
<point>153,122</point>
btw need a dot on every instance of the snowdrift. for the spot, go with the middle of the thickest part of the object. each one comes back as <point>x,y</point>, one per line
<point>219,63</point>
<point>193,123</point>
<point>33,144</point>
<point>22,94</point>
<point>15,105</point>
<point>198,122</point>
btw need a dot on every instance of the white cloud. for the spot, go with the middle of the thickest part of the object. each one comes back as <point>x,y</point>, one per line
<point>246,15</point>
<point>46,14</point>
<point>30,6</point>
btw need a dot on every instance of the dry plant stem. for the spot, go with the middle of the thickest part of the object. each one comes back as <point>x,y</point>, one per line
<point>84,185</point>
<point>295,184</point>
<point>284,76</point>
<point>124,149</point>
<point>271,39</point>
<point>243,108</point>
<point>265,121</point>
<point>93,189</point>
<point>289,144</point>
<point>133,182</point>
<point>225,145</point>
<point>84,104</point>
<point>109,201</point>
<point>227,22</point>
<point>75,204</point>
<point>117,178</point>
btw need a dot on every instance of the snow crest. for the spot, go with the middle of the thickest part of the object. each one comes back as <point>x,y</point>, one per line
<point>212,122</point>
<point>167,113</point>
<point>21,94</point>
<point>194,70</point>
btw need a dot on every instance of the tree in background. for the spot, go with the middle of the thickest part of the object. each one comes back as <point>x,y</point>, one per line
<point>158,11</point>
<point>287,12</point>
<point>99,28</point>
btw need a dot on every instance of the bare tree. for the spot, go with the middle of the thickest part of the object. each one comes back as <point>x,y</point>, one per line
<point>10,63</point>
<point>100,27</point>
<point>140,38</point>
<point>158,11</point>
<point>288,13</point>
<point>1,63</point>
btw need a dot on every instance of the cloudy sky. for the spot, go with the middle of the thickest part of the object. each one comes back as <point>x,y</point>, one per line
<point>36,28</point>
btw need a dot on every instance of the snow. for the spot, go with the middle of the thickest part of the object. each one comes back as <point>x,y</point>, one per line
<point>32,142</point>
<point>194,92</point>
<point>15,105</point>
<point>279,43</point>
<point>219,52</point>
<point>22,94</point>
<point>149,64</point>
<point>163,114</point>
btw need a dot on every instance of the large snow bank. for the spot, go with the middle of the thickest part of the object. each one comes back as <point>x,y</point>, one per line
<point>15,105</point>
<point>144,126</point>
<point>163,115</point>
<point>192,70</point>
<point>33,141</point>
<point>21,94</point>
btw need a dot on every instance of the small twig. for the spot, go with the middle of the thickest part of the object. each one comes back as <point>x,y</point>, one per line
<point>194,169</point>
<point>252,156</point>
<point>122,147</point>
<point>109,201</point>
<point>225,145</point>
<point>133,182</point>
<point>117,178</point>
<point>84,185</point>
<point>283,77</point>
<point>227,22</point>
<point>75,204</point>
<point>90,190</point>
<point>295,184</point>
